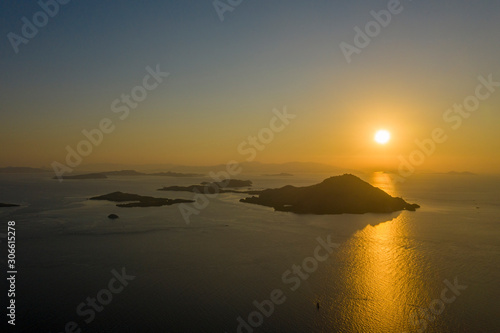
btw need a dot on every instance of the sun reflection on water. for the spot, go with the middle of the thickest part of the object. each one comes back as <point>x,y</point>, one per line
<point>381,278</point>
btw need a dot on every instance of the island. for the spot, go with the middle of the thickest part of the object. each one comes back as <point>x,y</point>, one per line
<point>84,176</point>
<point>346,194</point>
<point>460,173</point>
<point>8,205</point>
<point>214,187</point>
<point>104,175</point>
<point>283,174</point>
<point>23,170</point>
<point>123,173</point>
<point>176,174</point>
<point>136,200</point>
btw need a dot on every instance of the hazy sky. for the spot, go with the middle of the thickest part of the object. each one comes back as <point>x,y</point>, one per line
<point>227,76</point>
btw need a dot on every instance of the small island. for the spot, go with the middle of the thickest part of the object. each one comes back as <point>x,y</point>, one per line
<point>283,174</point>
<point>136,200</point>
<point>8,205</point>
<point>215,187</point>
<point>346,194</point>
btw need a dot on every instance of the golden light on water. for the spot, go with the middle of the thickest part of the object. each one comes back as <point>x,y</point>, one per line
<point>381,279</point>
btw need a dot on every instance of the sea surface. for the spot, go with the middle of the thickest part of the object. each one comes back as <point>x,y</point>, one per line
<point>433,270</point>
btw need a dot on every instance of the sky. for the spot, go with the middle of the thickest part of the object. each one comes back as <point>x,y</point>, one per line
<point>225,78</point>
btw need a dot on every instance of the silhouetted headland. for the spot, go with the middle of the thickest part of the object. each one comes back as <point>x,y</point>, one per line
<point>346,194</point>
<point>136,200</point>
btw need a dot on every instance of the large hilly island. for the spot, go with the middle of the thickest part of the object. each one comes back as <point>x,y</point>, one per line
<point>336,195</point>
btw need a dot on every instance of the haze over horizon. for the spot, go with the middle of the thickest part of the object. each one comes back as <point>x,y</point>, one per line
<point>226,78</point>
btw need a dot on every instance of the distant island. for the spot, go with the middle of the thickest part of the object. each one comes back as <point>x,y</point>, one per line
<point>8,205</point>
<point>161,174</point>
<point>215,187</point>
<point>22,170</point>
<point>84,176</point>
<point>176,174</point>
<point>463,173</point>
<point>346,194</point>
<point>123,173</point>
<point>135,200</point>
<point>283,174</point>
<point>104,175</point>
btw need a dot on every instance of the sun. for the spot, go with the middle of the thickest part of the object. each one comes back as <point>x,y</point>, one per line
<point>382,137</point>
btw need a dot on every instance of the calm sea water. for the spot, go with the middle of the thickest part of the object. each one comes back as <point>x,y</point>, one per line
<point>387,275</point>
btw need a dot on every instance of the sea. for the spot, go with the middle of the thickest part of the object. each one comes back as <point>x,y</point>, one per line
<point>236,267</point>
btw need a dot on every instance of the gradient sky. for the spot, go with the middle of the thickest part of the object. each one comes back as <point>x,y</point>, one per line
<point>226,78</point>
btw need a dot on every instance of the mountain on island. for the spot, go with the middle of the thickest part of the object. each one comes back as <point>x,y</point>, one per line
<point>346,194</point>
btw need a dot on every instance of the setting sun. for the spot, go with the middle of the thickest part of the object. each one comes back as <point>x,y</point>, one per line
<point>382,137</point>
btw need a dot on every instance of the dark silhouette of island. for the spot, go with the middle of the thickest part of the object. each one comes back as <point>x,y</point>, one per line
<point>176,174</point>
<point>136,200</point>
<point>162,174</point>
<point>346,194</point>
<point>22,170</point>
<point>104,175</point>
<point>215,187</point>
<point>283,174</point>
<point>123,173</point>
<point>458,173</point>
<point>84,176</point>
<point>8,205</point>
<point>113,216</point>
